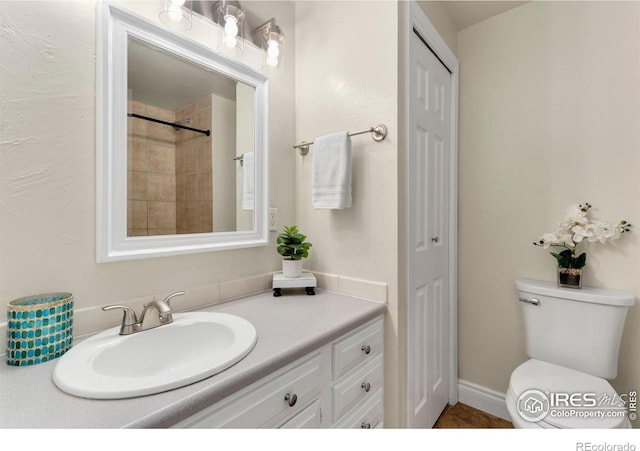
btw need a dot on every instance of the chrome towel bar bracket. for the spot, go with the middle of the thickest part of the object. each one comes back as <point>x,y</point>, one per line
<point>378,133</point>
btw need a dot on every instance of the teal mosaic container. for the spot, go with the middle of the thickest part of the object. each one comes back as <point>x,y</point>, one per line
<point>39,328</point>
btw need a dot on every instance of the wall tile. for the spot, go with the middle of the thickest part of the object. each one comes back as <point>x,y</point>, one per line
<point>205,190</point>
<point>162,215</point>
<point>204,154</point>
<point>161,114</point>
<point>162,187</point>
<point>180,192</point>
<point>138,152</point>
<point>138,214</point>
<point>162,232</point>
<point>190,158</point>
<point>204,103</point>
<point>161,134</point>
<point>162,159</point>
<point>138,186</point>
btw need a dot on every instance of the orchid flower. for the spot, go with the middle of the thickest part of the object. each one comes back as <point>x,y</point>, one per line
<point>575,228</point>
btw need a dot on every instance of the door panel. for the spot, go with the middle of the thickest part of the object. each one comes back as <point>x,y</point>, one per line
<point>428,232</point>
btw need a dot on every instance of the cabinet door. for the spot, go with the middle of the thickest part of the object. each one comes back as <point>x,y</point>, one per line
<point>357,348</point>
<point>309,418</point>
<point>368,416</point>
<point>357,386</point>
<point>268,401</point>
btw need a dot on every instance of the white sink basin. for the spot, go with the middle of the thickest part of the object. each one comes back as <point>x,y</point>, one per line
<point>195,346</point>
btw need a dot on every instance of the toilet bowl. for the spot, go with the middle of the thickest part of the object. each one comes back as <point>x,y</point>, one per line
<point>573,339</point>
<point>542,379</point>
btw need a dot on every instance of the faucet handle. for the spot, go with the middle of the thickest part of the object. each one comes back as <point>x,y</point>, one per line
<point>129,316</point>
<point>167,300</point>
<point>129,319</point>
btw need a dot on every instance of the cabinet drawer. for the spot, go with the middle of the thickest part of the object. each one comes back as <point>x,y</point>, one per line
<point>263,404</point>
<point>361,384</point>
<point>352,350</point>
<point>369,415</point>
<point>309,418</point>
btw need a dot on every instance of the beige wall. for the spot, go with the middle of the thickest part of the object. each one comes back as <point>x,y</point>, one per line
<point>346,79</point>
<point>48,158</point>
<point>244,144</point>
<point>440,19</point>
<point>549,114</point>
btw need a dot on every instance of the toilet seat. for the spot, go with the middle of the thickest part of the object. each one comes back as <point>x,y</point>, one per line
<point>551,380</point>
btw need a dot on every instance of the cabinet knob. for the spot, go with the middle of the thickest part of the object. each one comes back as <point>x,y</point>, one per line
<point>366,349</point>
<point>435,239</point>
<point>366,386</point>
<point>365,426</point>
<point>291,399</point>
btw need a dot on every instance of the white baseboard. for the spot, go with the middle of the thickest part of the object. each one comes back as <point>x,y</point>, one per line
<point>483,398</point>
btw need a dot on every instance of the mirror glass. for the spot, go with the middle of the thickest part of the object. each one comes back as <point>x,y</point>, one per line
<point>188,131</point>
<point>182,143</point>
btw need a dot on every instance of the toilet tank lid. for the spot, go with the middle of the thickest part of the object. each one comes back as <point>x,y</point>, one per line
<point>586,294</point>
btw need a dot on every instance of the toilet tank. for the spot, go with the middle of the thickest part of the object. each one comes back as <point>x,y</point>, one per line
<point>574,328</point>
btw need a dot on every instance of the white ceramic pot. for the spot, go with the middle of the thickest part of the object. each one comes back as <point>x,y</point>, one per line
<point>291,268</point>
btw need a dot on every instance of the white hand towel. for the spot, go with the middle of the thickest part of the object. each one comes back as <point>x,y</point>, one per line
<point>248,181</point>
<point>331,171</point>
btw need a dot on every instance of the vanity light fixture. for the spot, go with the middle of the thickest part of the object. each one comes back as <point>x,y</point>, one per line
<point>177,14</point>
<point>231,18</point>
<point>271,37</point>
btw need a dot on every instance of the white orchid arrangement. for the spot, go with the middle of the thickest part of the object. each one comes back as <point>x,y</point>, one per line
<point>576,228</point>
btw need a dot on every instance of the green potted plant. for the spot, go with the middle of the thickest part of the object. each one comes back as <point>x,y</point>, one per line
<point>576,228</point>
<point>293,247</point>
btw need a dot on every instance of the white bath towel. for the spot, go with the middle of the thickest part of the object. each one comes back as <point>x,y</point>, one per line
<point>248,181</point>
<point>331,171</point>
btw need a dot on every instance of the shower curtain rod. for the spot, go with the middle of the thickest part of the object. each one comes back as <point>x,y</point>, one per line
<point>146,118</point>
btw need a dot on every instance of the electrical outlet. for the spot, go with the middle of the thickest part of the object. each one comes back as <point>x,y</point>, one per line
<point>273,219</point>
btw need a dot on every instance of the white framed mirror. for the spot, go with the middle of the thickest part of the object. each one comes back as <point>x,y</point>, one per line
<point>181,144</point>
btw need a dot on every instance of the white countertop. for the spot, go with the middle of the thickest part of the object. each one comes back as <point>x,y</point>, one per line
<point>288,327</point>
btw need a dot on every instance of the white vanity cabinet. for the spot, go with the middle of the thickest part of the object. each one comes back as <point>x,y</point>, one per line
<point>338,385</point>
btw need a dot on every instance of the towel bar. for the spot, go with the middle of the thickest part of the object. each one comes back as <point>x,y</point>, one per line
<point>378,133</point>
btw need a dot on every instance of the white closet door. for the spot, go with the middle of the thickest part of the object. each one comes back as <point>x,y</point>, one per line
<point>429,146</point>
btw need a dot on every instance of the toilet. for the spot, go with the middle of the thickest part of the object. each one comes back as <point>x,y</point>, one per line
<point>572,338</point>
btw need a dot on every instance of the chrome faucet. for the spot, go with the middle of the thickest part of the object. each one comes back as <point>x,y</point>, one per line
<point>148,318</point>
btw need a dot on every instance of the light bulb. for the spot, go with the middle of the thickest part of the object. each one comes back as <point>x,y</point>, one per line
<point>272,61</point>
<point>177,2</point>
<point>175,13</point>
<point>273,50</point>
<point>230,26</point>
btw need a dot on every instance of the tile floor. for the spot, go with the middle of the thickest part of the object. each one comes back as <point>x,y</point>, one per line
<point>463,416</point>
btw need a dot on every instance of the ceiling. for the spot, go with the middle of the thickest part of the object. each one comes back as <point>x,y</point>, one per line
<point>465,14</point>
